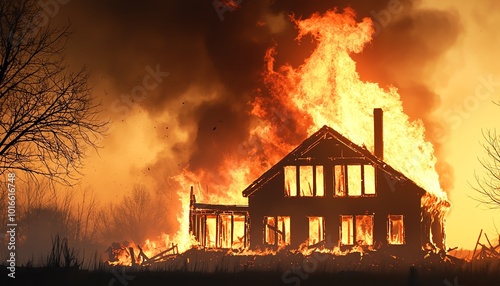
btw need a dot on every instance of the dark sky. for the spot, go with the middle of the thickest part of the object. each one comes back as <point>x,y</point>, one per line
<point>215,60</point>
<point>188,39</point>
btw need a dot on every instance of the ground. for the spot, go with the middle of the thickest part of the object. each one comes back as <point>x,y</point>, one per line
<point>197,267</point>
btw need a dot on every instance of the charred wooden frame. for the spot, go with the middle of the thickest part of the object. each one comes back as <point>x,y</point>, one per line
<point>199,226</point>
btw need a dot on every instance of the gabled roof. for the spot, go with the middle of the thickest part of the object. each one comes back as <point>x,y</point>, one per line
<point>324,133</point>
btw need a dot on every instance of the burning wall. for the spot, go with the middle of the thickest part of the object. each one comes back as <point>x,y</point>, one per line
<point>356,199</point>
<point>325,89</point>
<point>301,93</point>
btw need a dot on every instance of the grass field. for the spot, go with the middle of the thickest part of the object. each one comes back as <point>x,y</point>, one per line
<point>199,267</point>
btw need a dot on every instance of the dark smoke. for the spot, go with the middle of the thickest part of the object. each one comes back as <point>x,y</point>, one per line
<point>118,39</point>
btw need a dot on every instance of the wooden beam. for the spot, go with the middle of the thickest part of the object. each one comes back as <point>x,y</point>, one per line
<point>232,230</point>
<point>218,229</point>
<point>132,256</point>
<point>491,249</point>
<point>246,231</point>
<point>297,181</point>
<point>475,248</point>
<point>275,229</point>
<point>314,180</point>
<point>204,231</point>
<point>362,179</point>
<point>283,236</point>
<point>163,254</point>
<point>213,208</point>
<point>141,254</point>
<point>487,239</point>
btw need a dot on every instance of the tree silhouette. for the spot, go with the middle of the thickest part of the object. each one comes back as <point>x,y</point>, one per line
<point>47,114</point>
<point>137,216</point>
<point>488,186</point>
<point>45,213</point>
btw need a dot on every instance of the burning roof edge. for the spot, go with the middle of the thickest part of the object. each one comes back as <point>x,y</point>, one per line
<point>219,207</point>
<point>312,141</point>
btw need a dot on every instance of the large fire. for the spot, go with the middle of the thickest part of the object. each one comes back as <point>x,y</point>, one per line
<point>324,90</point>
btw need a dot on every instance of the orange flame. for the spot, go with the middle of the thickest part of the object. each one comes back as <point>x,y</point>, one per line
<point>143,252</point>
<point>324,90</point>
<point>327,90</point>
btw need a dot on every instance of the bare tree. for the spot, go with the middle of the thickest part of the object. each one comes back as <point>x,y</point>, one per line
<point>44,213</point>
<point>488,186</point>
<point>86,216</point>
<point>48,114</point>
<point>138,216</point>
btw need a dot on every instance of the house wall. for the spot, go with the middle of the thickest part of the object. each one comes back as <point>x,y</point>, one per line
<point>390,199</point>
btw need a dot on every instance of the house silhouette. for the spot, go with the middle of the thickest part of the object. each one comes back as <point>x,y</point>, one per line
<point>328,192</point>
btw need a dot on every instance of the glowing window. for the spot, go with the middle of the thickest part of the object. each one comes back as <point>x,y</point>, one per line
<point>306,181</point>
<point>316,232</point>
<point>270,230</point>
<point>339,180</point>
<point>395,230</point>
<point>238,231</point>
<point>231,231</point>
<point>347,230</point>
<point>354,180</point>
<point>225,231</point>
<point>290,180</point>
<point>364,229</point>
<point>311,179</point>
<point>320,185</point>
<point>284,230</point>
<point>277,230</point>
<point>369,173</point>
<point>210,231</point>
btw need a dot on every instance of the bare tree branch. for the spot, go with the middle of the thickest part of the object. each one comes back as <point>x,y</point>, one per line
<point>48,115</point>
<point>488,186</point>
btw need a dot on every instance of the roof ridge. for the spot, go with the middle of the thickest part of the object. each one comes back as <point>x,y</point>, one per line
<point>309,143</point>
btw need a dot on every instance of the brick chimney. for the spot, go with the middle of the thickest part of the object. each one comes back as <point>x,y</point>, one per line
<point>378,132</point>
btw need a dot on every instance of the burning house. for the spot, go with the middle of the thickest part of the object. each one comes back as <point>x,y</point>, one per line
<point>327,189</point>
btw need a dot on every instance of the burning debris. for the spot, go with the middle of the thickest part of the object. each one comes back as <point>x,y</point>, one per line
<point>130,254</point>
<point>118,253</point>
<point>486,251</point>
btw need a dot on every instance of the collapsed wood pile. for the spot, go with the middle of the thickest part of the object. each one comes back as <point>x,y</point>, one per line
<point>206,260</point>
<point>125,254</point>
<point>485,251</point>
<point>160,257</point>
<point>218,261</point>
